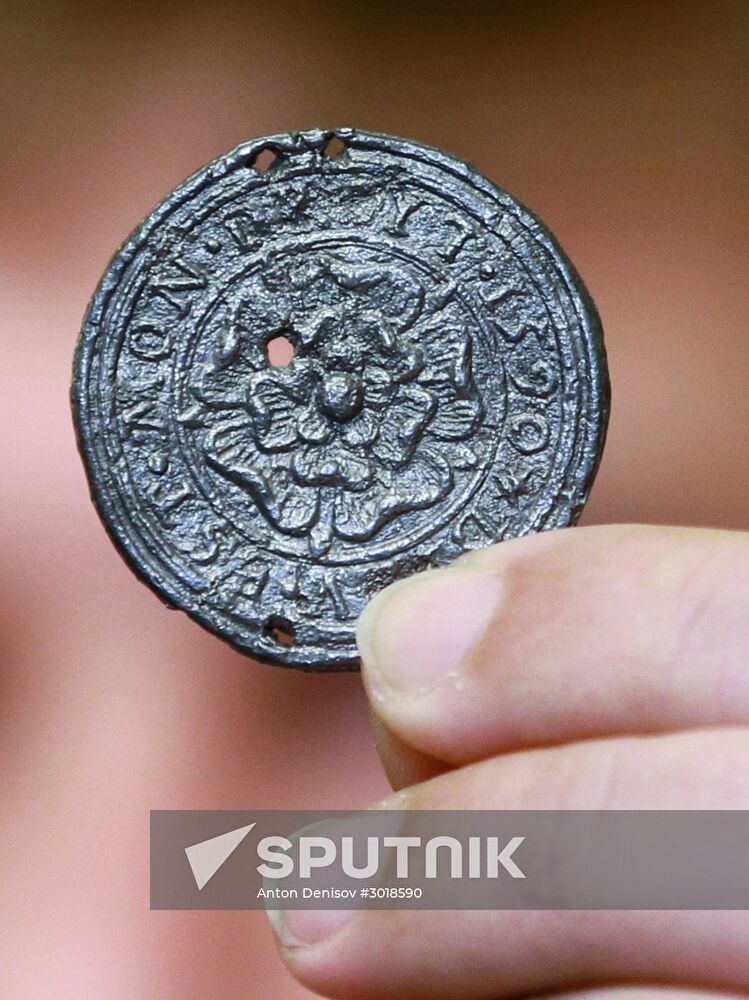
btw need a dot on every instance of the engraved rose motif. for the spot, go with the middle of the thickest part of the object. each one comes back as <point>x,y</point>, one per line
<point>354,431</point>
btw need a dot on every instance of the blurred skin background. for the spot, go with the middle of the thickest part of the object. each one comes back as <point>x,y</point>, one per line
<point>622,125</point>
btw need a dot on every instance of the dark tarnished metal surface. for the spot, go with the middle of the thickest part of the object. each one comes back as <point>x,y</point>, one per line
<point>448,387</point>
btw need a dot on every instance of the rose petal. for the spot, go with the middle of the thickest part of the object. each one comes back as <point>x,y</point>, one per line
<point>362,430</point>
<point>456,419</point>
<point>357,516</point>
<point>312,426</point>
<point>231,450</point>
<point>272,408</point>
<point>426,480</point>
<point>331,465</point>
<point>378,387</point>
<point>297,509</point>
<point>403,424</point>
<point>355,470</point>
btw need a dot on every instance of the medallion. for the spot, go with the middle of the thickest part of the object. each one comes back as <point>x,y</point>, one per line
<point>326,361</point>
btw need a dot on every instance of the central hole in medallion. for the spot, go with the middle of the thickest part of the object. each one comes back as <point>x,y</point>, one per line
<point>279,351</point>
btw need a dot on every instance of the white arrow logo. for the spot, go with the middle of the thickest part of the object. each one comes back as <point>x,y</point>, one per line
<point>207,857</point>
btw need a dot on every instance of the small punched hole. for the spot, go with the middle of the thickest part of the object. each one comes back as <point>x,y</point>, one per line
<point>334,148</point>
<point>280,630</point>
<point>263,160</point>
<point>279,351</point>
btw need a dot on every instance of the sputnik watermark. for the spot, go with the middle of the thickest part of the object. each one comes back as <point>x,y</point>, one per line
<point>450,860</point>
<point>485,857</point>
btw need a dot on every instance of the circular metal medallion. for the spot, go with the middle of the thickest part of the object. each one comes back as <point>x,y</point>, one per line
<point>448,385</point>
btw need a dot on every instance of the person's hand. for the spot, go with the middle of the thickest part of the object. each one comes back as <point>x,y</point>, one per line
<point>597,668</point>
